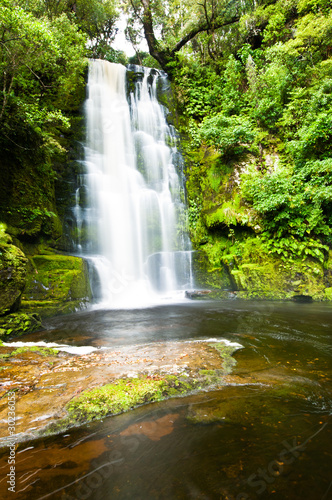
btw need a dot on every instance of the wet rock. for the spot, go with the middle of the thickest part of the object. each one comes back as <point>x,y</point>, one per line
<point>303,299</point>
<point>56,284</point>
<point>13,270</point>
<point>197,294</point>
<point>59,392</point>
<point>17,324</point>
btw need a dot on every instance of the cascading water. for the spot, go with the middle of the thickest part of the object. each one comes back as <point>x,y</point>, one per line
<point>130,225</point>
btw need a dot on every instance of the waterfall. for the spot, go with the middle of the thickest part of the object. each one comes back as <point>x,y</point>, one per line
<point>129,225</point>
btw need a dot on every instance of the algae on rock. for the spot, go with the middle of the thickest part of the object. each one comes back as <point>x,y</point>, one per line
<point>56,284</point>
<point>13,271</point>
<point>17,324</point>
<point>232,250</point>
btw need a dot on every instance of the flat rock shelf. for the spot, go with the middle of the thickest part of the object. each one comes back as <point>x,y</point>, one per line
<point>47,382</point>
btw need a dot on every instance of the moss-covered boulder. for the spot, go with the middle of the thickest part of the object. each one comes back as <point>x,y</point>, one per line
<point>262,275</point>
<point>254,269</point>
<point>17,324</point>
<point>13,270</point>
<point>56,284</point>
<point>206,276</point>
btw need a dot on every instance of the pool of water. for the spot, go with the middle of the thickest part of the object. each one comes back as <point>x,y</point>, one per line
<point>265,435</point>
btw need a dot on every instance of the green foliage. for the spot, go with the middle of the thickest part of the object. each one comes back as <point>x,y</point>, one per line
<point>198,89</point>
<point>268,96</point>
<point>95,18</point>
<point>293,201</point>
<point>193,213</point>
<point>230,135</point>
<point>315,6</point>
<point>232,95</point>
<point>116,56</point>
<point>290,249</point>
<point>19,324</point>
<point>41,69</point>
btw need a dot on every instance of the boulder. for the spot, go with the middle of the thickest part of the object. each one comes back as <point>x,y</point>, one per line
<point>56,284</point>
<point>13,271</point>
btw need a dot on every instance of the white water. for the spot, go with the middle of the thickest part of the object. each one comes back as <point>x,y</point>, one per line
<point>71,349</point>
<point>140,251</point>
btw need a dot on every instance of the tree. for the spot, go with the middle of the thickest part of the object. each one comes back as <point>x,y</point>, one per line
<point>41,68</point>
<point>95,18</point>
<point>177,22</point>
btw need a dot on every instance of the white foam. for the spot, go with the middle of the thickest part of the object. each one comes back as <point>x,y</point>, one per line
<point>228,343</point>
<point>71,349</point>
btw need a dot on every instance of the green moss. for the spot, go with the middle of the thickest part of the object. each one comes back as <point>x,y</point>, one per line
<point>57,284</point>
<point>5,238</point>
<point>230,213</point>
<point>262,274</point>
<point>257,272</point>
<point>210,275</point>
<point>13,270</point>
<point>18,324</point>
<point>225,352</point>
<point>126,394</point>
<point>115,398</point>
<point>43,351</point>
<point>211,377</point>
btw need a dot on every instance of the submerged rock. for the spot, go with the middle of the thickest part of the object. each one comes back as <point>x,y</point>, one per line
<point>56,390</point>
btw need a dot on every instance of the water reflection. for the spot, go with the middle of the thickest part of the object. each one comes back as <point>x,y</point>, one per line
<point>266,435</point>
<point>236,443</point>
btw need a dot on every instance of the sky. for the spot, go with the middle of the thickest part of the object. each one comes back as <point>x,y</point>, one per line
<point>120,42</point>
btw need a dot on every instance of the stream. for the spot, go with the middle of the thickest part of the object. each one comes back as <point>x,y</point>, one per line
<point>265,434</point>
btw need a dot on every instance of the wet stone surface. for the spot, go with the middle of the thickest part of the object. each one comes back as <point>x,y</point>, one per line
<point>45,383</point>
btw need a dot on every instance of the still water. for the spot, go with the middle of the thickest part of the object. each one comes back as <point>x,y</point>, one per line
<point>265,435</point>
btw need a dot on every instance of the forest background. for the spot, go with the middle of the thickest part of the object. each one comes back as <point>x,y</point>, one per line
<point>251,98</point>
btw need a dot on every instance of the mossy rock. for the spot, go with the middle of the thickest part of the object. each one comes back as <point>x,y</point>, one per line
<point>272,278</point>
<point>206,276</point>
<point>17,324</point>
<point>128,393</point>
<point>13,271</point>
<point>230,213</point>
<point>56,284</point>
<point>256,273</point>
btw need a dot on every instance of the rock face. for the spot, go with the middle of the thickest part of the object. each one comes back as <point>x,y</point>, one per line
<point>13,271</point>
<point>216,280</point>
<point>56,284</point>
<point>268,277</point>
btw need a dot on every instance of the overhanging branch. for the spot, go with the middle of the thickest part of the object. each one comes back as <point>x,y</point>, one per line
<point>200,29</point>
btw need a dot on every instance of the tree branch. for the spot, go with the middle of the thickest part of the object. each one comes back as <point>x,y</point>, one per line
<point>12,39</point>
<point>38,78</point>
<point>200,29</point>
<point>135,11</point>
<point>208,24</point>
<point>152,42</point>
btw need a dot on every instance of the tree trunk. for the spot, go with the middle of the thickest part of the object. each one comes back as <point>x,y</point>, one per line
<point>167,56</point>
